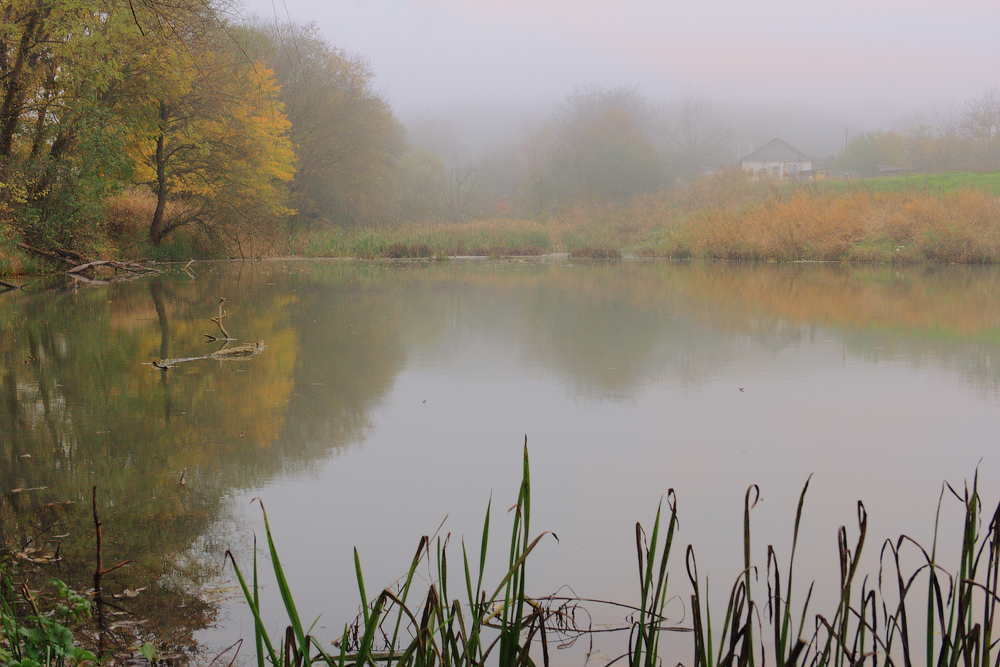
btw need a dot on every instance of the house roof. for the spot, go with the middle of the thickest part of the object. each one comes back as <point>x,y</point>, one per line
<point>776,150</point>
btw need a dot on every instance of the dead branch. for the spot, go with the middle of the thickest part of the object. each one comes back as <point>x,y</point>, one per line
<point>218,320</point>
<point>63,256</point>
<point>88,265</point>
<point>99,572</point>
<point>6,286</point>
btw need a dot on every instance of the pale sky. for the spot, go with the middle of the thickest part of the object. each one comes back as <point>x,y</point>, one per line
<point>844,54</point>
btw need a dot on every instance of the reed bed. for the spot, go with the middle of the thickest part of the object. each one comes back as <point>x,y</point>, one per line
<point>905,615</point>
<point>807,224</point>
<point>481,238</point>
<point>731,215</point>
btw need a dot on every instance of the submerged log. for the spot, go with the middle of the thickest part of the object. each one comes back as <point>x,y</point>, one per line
<point>238,352</point>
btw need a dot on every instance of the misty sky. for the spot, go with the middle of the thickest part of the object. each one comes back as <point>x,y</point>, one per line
<point>848,54</point>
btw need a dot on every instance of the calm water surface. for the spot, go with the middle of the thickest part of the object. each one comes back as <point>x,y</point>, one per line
<point>391,398</point>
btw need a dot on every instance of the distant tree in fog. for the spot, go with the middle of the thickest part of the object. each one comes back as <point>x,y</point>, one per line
<point>460,188</point>
<point>597,146</point>
<point>867,151</point>
<point>980,125</point>
<point>610,158</point>
<point>421,185</point>
<point>695,136</point>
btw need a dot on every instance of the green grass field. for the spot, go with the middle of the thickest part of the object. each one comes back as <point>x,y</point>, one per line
<point>950,181</point>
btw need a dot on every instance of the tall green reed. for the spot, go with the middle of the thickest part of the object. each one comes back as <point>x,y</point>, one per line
<point>435,630</point>
<point>762,624</point>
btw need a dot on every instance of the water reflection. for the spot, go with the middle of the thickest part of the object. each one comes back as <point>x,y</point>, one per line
<point>353,349</point>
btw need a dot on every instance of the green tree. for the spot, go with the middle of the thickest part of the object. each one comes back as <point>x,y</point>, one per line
<point>60,146</point>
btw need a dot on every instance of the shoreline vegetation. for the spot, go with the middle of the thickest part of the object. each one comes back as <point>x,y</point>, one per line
<point>186,130</point>
<point>912,611</point>
<point>731,215</point>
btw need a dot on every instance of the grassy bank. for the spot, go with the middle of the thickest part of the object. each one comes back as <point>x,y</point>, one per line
<point>910,612</point>
<point>951,181</point>
<point>501,237</point>
<point>919,218</point>
<point>731,216</point>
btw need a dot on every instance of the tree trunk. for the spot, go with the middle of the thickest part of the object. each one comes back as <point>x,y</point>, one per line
<point>14,93</point>
<point>158,227</point>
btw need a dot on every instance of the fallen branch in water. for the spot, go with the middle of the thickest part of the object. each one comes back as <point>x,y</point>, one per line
<point>238,352</point>
<point>6,286</point>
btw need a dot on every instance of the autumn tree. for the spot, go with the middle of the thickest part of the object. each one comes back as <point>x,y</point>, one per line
<point>212,137</point>
<point>867,151</point>
<point>73,78</point>
<point>347,141</point>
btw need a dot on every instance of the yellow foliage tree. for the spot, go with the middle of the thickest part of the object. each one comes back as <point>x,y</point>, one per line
<point>214,140</point>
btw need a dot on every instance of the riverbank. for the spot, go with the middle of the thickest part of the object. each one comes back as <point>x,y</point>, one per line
<point>944,218</point>
<point>729,216</point>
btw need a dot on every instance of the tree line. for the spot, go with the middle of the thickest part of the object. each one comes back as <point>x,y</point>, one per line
<point>240,129</point>
<point>227,126</point>
<point>966,138</point>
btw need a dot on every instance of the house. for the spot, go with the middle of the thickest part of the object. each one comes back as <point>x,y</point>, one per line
<point>781,160</point>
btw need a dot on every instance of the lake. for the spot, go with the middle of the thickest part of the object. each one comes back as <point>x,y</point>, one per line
<point>390,398</point>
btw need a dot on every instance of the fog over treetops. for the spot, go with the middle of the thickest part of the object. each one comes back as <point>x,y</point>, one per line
<point>807,71</point>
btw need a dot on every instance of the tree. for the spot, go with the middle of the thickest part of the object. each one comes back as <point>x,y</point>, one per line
<point>215,140</point>
<point>60,150</point>
<point>421,182</point>
<point>347,140</point>
<point>597,147</point>
<point>866,152</point>
<point>980,125</point>
<point>694,136</point>
<point>461,187</point>
<point>73,76</point>
<point>611,158</point>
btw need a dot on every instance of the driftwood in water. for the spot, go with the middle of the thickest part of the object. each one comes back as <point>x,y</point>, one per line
<point>238,352</point>
<point>5,286</point>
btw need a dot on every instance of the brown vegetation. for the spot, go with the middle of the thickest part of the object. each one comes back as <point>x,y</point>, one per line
<point>804,223</point>
<point>734,216</point>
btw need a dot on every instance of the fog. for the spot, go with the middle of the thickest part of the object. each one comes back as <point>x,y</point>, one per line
<point>891,53</point>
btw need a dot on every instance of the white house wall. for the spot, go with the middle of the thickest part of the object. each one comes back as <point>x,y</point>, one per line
<point>779,169</point>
